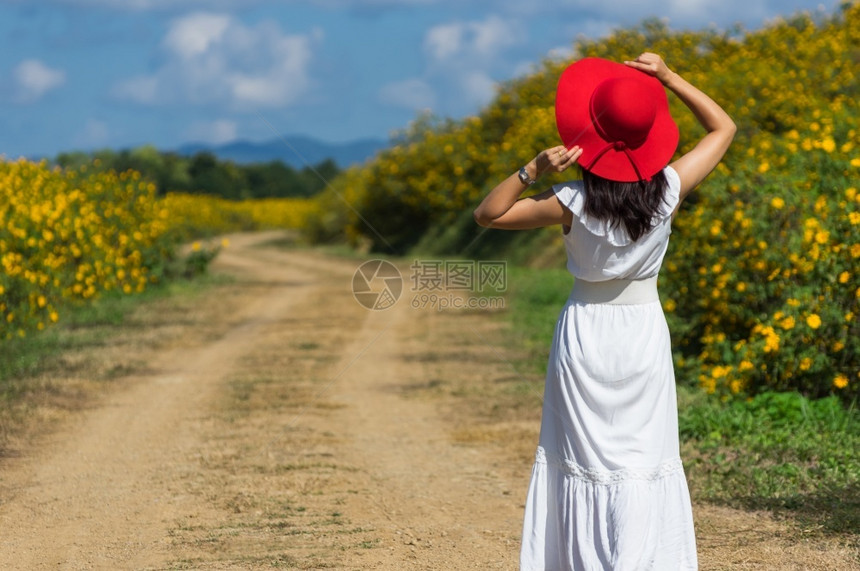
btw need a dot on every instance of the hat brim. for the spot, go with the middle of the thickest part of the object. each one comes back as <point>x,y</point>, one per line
<point>575,126</point>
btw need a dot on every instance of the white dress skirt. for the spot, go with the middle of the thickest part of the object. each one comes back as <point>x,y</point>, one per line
<point>608,491</point>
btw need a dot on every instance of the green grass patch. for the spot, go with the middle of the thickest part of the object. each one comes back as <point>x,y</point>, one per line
<point>82,326</point>
<point>778,451</point>
<point>534,299</point>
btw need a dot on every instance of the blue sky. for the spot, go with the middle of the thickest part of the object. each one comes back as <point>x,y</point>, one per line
<point>86,74</point>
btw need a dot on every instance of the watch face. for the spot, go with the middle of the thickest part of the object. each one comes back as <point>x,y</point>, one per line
<point>524,176</point>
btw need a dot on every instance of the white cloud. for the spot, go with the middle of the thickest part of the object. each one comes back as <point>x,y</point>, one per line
<point>141,89</point>
<point>480,40</point>
<point>479,87</point>
<point>214,132</point>
<point>33,79</point>
<point>444,41</point>
<point>415,94</point>
<point>195,34</point>
<point>215,58</point>
<point>461,58</point>
<point>152,5</point>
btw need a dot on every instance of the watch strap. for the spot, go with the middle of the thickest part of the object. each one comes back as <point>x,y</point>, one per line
<point>525,178</point>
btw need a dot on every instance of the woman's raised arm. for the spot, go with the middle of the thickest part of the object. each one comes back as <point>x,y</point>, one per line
<point>501,208</point>
<point>695,165</point>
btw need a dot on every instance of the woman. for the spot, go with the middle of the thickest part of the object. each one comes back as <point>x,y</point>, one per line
<point>608,489</point>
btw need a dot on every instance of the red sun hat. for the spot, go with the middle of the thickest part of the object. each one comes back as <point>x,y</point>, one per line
<point>620,118</point>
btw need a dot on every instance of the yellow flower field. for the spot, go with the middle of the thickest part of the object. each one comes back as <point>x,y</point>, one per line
<point>760,280</point>
<point>194,215</point>
<point>68,236</point>
<point>760,283</point>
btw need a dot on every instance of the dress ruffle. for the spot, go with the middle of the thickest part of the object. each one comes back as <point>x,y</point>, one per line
<point>607,477</point>
<point>572,196</point>
<point>626,521</point>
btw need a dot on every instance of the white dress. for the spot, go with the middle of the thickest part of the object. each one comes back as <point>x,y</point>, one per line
<point>608,490</point>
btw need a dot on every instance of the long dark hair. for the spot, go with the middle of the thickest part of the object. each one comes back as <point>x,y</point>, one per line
<point>631,204</point>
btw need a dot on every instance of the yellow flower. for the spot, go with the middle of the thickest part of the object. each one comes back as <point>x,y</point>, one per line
<point>820,204</point>
<point>838,346</point>
<point>844,277</point>
<point>814,321</point>
<point>840,381</point>
<point>855,162</point>
<point>745,365</point>
<point>669,305</point>
<point>771,339</point>
<point>854,217</point>
<point>708,383</point>
<point>764,167</point>
<point>719,371</point>
<point>195,246</point>
<point>805,364</point>
<point>777,202</point>
<point>787,323</point>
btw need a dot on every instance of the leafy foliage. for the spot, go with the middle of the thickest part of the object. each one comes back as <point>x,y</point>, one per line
<point>760,283</point>
<point>204,173</point>
<point>68,236</point>
<point>778,451</point>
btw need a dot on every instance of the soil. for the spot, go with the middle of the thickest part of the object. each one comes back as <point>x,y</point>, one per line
<point>271,421</point>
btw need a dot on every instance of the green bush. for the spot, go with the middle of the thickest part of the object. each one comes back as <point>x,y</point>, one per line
<point>760,283</point>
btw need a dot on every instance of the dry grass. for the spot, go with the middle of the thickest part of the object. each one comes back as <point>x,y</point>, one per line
<point>67,369</point>
<point>269,473</point>
<point>277,481</point>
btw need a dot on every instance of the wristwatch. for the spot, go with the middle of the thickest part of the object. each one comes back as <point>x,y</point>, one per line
<point>525,178</point>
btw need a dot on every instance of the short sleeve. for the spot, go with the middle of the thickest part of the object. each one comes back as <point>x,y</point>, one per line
<point>572,195</point>
<point>569,194</point>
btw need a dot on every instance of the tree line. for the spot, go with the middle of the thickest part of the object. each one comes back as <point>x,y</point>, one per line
<point>204,173</point>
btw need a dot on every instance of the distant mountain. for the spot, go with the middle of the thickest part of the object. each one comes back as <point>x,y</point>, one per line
<point>296,151</point>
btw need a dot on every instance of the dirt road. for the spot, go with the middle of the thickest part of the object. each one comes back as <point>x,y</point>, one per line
<point>273,422</point>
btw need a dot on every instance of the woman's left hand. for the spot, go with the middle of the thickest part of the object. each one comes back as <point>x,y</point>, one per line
<point>558,159</point>
<point>502,209</point>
